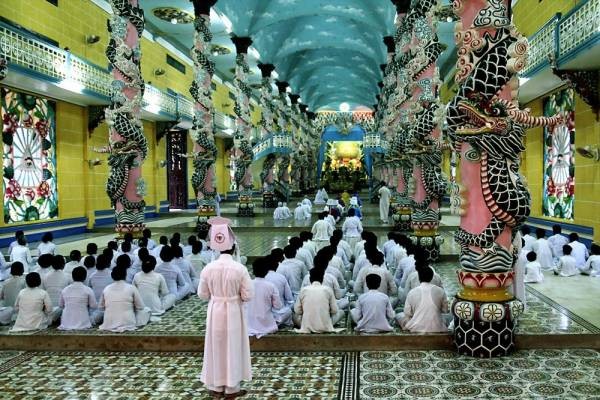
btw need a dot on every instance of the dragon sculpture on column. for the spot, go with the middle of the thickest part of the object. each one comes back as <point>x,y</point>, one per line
<point>242,151</point>
<point>205,150</point>
<point>429,182</point>
<point>486,126</point>
<point>3,64</point>
<point>266,124</point>
<point>127,147</point>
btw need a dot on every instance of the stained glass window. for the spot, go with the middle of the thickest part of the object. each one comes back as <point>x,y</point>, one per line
<point>559,168</point>
<point>29,157</point>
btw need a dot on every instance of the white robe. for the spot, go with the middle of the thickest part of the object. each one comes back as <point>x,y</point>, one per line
<point>54,282</point>
<point>22,254</point>
<point>580,253</point>
<point>529,241</point>
<point>46,248</point>
<point>352,228</point>
<point>322,231</point>
<point>307,203</point>
<point>423,309</point>
<point>567,266</point>
<point>301,213</point>
<point>321,197</point>
<point>265,310</point>
<point>226,284</point>
<point>533,272</point>
<point>293,271</point>
<point>544,254</point>
<point>384,203</point>
<point>395,256</point>
<point>556,243</point>
<point>154,291</point>
<point>76,300</point>
<point>372,312</point>
<point>315,306</point>
<point>33,307</point>
<point>123,308</point>
<point>279,214</point>
<point>592,265</point>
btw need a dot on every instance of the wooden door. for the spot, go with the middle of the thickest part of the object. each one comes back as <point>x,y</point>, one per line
<point>177,169</point>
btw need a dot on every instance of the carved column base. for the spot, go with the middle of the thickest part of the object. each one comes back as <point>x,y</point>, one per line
<point>206,210</point>
<point>485,314</point>
<point>269,200</point>
<point>129,222</point>
<point>245,205</point>
<point>431,245</point>
<point>402,217</point>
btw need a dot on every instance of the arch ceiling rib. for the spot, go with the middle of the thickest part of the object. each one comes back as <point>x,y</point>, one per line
<point>329,51</point>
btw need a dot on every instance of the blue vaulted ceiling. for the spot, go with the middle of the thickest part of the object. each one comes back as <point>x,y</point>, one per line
<point>329,51</point>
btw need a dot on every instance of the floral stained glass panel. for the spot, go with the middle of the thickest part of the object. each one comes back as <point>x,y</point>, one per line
<point>29,157</point>
<point>559,167</point>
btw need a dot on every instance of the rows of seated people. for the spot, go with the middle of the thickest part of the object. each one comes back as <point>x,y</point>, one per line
<point>128,285</point>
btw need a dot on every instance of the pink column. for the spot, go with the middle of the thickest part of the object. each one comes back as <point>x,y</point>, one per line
<point>127,145</point>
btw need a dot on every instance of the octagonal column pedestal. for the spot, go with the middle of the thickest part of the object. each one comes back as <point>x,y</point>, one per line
<point>402,215</point>
<point>425,233</point>
<point>485,314</point>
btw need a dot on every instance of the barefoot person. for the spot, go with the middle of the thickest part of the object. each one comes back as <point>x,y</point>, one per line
<point>226,284</point>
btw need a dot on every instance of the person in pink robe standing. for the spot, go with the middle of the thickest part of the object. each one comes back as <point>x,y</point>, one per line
<point>226,284</point>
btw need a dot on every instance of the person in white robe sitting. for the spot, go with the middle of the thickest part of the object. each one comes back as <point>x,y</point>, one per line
<point>533,269</point>
<point>147,234</point>
<point>324,257</point>
<point>352,228</point>
<point>55,281</point>
<point>280,212</point>
<point>189,273</point>
<point>557,241</point>
<point>279,281</point>
<point>265,310</point>
<point>43,265</point>
<point>46,245</point>
<point>543,251</point>
<point>89,263</point>
<point>77,301</point>
<point>187,249</point>
<point>20,252</point>
<point>15,242</point>
<point>316,309</point>
<point>425,307</point>
<point>173,275</point>
<point>301,212</point>
<point>307,203</point>
<point>153,289</point>
<point>196,259</point>
<point>377,267</point>
<point>124,309</point>
<point>162,242</point>
<point>9,290</point>
<point>580,252</point>
<point>592,265</point>
<point>285,210</point>
<point>567,265</point>
<point>321,197</point>
<point>322,231</point>
<point>373,310</point>
<point>396,252</point>
<point>527,237</point>
<point>344,246</point>
<point>33,306</point>
<point>91,249</point>
<point>292,269</point>
<point>406,266</point>
<point>74,262</point>
<point>98,281</point>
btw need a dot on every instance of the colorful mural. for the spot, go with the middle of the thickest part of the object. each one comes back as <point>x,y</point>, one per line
<point>29,157</point>
<point>559,147</point>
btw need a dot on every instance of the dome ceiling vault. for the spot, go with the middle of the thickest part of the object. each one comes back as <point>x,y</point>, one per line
<point>329,51</point>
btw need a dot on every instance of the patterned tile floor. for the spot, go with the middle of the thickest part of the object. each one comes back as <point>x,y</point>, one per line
<point>534,374</point>
<point>128,376</point>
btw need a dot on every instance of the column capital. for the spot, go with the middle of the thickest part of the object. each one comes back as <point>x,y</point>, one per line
<point>241,43</point>
<point>294,98</point>
<point>311,115</point>
<point>303,108</point>
<point>202,7</point>
<point>266,69</point>
<point>282,86</point>
<point>380,84</point>
<point>402,6</point>
<point>382,67</point>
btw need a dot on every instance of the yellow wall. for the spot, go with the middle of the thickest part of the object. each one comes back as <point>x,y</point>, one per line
<point>587,171</point>
<point>531,15</point>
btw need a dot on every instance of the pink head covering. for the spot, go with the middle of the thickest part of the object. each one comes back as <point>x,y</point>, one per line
<point>220,234</point>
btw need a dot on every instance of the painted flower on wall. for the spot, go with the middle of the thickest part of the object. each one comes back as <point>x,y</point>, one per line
<point>29,159</point>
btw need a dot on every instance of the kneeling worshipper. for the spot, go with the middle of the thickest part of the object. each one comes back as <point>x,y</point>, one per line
<point>592,265</point>
<point>321,197</point>
<point>306,202</point>
<point>153,289</point>
<point>567,265</point>
<point>280,212</point>
<point>55,281</point>
<point>9,290</point>
<point>542,250</point>
<point>533,269</point>
<point>322,231</point>
<point>265,310</point>
<point>77,302</point>
<point>373,309</point>
<point>301,212</point>
<point>124,309</point>
<point>316,309</point>
<point>425,307</point>
<point>33,306</point>
<point>226,284</point>
<point>292,269</point>
<point>376,266</point>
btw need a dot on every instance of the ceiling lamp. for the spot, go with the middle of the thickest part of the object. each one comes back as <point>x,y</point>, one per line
<point>344,107</point>
<point>218,50</point>
<point>173,15</point>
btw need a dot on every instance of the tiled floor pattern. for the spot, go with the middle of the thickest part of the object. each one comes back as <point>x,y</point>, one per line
<point>129,376</point>
<point>534,374</point>
<point>543,316</point>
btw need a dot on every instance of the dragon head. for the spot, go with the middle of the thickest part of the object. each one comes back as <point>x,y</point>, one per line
<point>484,117</point>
